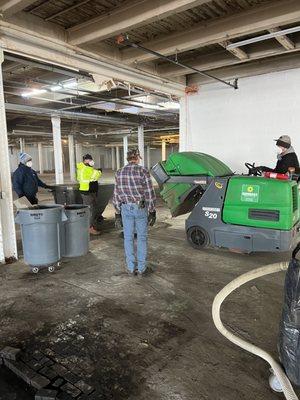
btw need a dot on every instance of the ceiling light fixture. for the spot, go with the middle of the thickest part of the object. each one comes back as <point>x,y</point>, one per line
<point>263,37</point>
<point>170,105</point>
<point>34,92</point>
<point>70,84</point>
<point>55,88</point>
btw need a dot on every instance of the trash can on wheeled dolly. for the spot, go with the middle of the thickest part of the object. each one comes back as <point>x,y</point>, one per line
<point>76,228</point>
<point>41,230</point>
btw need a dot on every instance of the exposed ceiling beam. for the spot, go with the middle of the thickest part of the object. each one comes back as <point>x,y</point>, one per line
<point>38,26</point>
<point>67,114</point>
<point>133,14</point>
<point>10,7</point>
<point>208,62</point>
<point>237,52</point>
<point>27,43</point>
<point>104,50</point>
<point>256,20</point>
<point>47,67</point>
<point>204,62</point>
<point>67,9</point>
<point>284,40</point>
<point>274,64</point>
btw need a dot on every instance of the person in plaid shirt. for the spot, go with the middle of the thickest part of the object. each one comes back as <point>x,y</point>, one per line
<point>134,202</point>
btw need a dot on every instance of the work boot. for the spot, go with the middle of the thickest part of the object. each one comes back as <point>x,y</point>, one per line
<point>142,273</point>
<point>94,231</point>
<point>130,271</point>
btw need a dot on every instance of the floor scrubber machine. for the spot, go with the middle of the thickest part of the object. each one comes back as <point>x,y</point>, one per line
<point>244,212</point>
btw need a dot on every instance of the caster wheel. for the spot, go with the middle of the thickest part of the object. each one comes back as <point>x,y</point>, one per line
<point>35,270</point>
<point>51,269</point>
<point>275,384</point>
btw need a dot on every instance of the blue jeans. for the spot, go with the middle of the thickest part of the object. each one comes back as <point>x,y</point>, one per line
<point>135,219</point>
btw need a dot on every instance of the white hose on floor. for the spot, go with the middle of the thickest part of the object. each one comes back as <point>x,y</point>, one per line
<point>221,296</point>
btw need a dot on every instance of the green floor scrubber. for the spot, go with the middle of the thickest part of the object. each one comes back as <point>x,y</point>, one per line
<point>243,212</point>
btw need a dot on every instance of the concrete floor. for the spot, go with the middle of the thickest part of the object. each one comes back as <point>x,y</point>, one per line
<point>150,338</point>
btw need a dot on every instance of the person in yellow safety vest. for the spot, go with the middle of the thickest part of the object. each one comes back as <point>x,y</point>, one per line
<point>88,176</point>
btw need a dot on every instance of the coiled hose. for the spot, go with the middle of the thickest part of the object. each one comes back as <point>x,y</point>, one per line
<point>221,296</point>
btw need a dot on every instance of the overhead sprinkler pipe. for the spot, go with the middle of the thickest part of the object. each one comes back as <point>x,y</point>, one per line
<point>124,39</point>
<point>251,348</point>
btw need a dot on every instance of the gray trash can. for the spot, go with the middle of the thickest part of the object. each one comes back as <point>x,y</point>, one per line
<point>105,193</point>
<point>67,194</point>
<point>76,230</point>
<point>41,228</point>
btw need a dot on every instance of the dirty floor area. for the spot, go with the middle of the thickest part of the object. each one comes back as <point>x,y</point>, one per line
<point>149,338</point>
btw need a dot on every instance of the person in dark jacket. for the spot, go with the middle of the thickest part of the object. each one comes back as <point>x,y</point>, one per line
<point>26,181</point>
<point>286,158</point>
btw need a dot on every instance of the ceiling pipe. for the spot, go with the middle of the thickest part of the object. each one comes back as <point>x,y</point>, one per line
<point>124,39</point>
<point>48,67</point>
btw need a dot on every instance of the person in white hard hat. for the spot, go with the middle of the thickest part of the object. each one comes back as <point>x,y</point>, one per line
<point>286,157</point>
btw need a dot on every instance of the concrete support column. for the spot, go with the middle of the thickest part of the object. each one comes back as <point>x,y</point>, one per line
<point>8,243</point>
<point>148,157</point>
<point>125,148</point>
<point>41,160</point>
<point>141,143</point>
<point>163,150</point>
<point>46,165</point>
<point>113,159</point>
<point>118,157</point>
<point>22,145</point>
<point>72,158</point>
<point>78,150</point>
<point>58,159</point>
<point>183,125</point>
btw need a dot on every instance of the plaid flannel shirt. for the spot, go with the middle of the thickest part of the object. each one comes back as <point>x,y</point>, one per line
<point>133,184</point>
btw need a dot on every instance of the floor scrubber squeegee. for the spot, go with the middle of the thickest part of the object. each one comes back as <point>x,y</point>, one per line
<point>244,212</point>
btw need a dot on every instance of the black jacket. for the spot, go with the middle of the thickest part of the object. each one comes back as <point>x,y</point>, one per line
<point>287,161</point>
<point>26,181</point>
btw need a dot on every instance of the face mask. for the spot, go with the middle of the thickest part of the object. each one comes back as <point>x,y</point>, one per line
<point>92,163</point>
<point>29,164</point>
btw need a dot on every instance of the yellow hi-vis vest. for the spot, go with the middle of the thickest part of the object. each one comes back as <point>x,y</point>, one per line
<point>85,175</point>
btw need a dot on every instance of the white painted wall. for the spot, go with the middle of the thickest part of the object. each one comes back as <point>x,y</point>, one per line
<point>48,159</point>
<point>240,125</point>
<point>155,153</point>
<point>101,155</point>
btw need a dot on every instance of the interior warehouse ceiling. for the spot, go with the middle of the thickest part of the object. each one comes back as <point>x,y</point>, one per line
<point>100,86</point>
<point>97,111</point>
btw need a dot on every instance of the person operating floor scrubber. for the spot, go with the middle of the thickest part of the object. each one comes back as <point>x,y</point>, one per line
<point>87,177</point>
<point>286,158</point>
<point>26,181</point>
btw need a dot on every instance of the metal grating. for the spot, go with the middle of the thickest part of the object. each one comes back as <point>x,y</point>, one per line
<point>264,215</point>
<point>295,195</point>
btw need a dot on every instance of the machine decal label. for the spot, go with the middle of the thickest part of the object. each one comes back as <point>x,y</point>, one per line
<point>210,212</point>
<point>219,185</point>
<point>250,193</point>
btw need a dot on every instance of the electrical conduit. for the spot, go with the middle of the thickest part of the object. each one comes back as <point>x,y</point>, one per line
<point>219,299</point>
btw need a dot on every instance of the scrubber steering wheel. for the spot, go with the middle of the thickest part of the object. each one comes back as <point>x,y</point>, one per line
<point>252,169</point>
